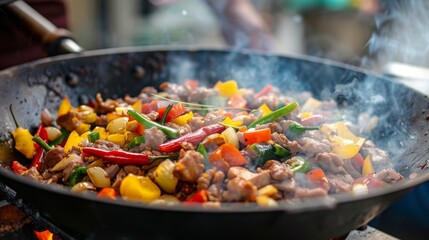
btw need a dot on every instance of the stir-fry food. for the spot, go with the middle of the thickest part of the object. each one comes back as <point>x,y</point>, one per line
<point>190,144</point>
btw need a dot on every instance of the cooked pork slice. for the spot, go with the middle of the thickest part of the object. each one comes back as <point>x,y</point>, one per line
<point>239,189</point>
<point>189,167</point>
<point>312,147</point>
<point>330,162</point>
<point>309,193</point>
<point>389,176</point>
<point>259,179</point>
<point>53,156</point>
<point>278,171</point>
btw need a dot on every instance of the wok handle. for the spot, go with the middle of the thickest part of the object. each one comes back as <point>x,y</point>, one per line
<point>55,40</point>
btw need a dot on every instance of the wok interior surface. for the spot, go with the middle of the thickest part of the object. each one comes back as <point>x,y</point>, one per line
<point>402,130</point>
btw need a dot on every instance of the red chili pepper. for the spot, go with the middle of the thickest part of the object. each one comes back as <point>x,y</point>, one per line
<point>37,159</point>
<point>122,157</point>
<point>194,138</point>
<point>18,168</point>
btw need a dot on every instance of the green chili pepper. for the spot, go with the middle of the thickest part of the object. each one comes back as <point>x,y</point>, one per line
<point>295,129</point>
<point>94,136</point>
<point>281,112</point>
<point>164,116</point>
<point>264,151</point>
<point>298,164</point>
<point>136,141</point>
<point>42,143</point>
<point>64,135</point>
<point>201,149</point>
<point>170,132</point>
<point>77,175</point>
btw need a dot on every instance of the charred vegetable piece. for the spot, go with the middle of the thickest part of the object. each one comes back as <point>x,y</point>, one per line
<point>281,112</point>
<point>298,164</point>
<point>295,130</point>
<point>77,175</point>
<point>22,137</point>
<point>194,138</point>
<point>170,132</point>
<point>122,157</point>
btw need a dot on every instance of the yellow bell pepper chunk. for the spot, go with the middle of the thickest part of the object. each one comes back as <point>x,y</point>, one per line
<point>138,188</point>
<point>228,88</point>
<point>117,138</point>
<point>85,135</point>
<point>23,142</point>
<point>89,117</point>
<point>164,177</point>
<point>269,191</point>
<point>265,109</point>
<point>137,106</point>
<point>65,107</point>
<point>182,120</point>
<point>73,140</point>
<point>367,167</point>
<point>346,144</point>
<point>82,128</point>
<point>231,122</point>
<point>265,201</point>
<point>112,116</point>
<point>102,132</point>
<point>310,105</point>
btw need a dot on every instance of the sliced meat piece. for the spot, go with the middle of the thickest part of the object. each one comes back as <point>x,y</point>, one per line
<point>211,180</point>
<point>273,126</point>
<point>153,138</point>
<point>103,107</point>
<point>132,169</point>
<point>380,158</point>
<point>259,179</point>
<point>106,145</point>
<point>271,100</point>
<point>153,115</point>
<point>311,147</point>
<point>245,119</point>
<point>101,121</point>
<point>341,182</point>
<point>74,163</point>
<point>283,141</point>
<point>112,170</point>
<point>121,174</point>
<point>389,176</point>
<point>350,169</point>
<point>34,174</point>
<point>68,121</point>
<point>310,193</point>
<point>53,156</point>
<point>199,94</point>
<point>239,189</point>
<point>189,167</point>
<point>278,171</point>
<point>330,162</point>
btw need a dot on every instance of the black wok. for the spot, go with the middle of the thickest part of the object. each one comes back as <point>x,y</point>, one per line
<point>114,73</point>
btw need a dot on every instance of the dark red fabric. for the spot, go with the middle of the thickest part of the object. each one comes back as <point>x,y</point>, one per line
<point>17,45</point>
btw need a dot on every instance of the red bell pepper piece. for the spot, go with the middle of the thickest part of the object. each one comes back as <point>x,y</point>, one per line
<point>255,136</point>
<point>199,197</point>
<point>18,168</point>
<point>107,192</point>
<point>175,111</point>
<point>37,159</point>
<point>226,153</point>
<point>194,138</point>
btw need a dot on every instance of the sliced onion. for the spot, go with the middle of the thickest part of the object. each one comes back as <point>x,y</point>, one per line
<point>231,136</point>
<point>118,125</point>
<point>99,177</point>
<point>83,186</point>
<point>46,117</point>
<point>61,165</point>
<point>53,133</point>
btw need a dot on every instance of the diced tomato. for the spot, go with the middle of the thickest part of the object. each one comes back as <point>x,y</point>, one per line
<point>149,107</point>
<point>357,162</point>
<point>191,83</point>
<point>18,168</point>
<point>255,136</point>
<point>176,111</point>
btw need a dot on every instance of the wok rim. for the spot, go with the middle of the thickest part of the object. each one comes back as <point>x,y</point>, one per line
<point>308,205</point>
